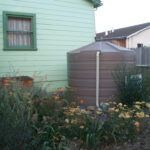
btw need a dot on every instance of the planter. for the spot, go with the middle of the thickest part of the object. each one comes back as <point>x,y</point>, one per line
<point>25,81</point>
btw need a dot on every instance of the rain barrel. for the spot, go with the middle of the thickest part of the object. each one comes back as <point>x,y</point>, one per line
<point>82,69</point>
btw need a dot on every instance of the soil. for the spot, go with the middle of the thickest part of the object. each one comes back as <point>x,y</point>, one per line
<point>142,143</point>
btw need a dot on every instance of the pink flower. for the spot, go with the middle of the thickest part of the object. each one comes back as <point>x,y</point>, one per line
<point>45,77</point>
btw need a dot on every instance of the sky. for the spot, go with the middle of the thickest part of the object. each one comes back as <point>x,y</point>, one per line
<point>121,13</point>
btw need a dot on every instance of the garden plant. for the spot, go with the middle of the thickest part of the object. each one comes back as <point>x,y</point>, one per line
<point>33,119</point>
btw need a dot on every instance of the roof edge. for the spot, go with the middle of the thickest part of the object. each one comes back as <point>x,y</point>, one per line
<point>97,3</point>
<point>113,38</point>
<point>138,31</point>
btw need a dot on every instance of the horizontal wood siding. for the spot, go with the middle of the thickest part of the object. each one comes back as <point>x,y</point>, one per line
<point>62,26</point>
<point>119,42</point>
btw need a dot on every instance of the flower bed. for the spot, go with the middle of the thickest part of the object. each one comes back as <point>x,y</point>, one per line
<point>31,118</point>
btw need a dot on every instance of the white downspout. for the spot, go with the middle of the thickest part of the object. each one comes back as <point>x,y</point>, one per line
<point>97,78</point>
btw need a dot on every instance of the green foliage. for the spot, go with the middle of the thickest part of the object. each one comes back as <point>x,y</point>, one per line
<point>130,87</point>
<point>117,130</point>
<point>15,118</point>
<point>90,134</point>
<point>49,137</point>
<point>31,118</point>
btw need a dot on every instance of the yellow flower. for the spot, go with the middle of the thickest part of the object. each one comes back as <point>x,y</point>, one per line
<point>99,109</point>
<point>74,121</point>
<point>140,114</point>
<point>147,116</point>
<point>148,105</point>
<point>72,110</point>
<point>137,107</point>
<point>67,120</point>
<point>116,110</point>
<point>127,115</point>
<point>120,104</point>
<point>114,103</point>
<point>98,112</point>
<point>88,112</point>
<point>111,110</point>
<point>63,138</point>
<point>121,115</point>
<point>107,104</point>
<point>91,108</point>
<point>124,115</point>
<point>81,127</point>
<point>83,111</point>
<point>138,102</point>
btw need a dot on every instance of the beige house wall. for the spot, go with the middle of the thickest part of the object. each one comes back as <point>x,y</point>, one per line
<point>141,37</point>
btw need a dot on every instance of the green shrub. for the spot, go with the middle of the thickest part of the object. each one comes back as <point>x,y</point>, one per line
<point>133,84</point>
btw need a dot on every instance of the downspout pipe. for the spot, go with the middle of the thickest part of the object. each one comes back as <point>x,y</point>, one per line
<point>97,78</point>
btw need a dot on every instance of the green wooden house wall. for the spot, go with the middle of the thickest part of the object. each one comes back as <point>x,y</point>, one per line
<point>61,26</point>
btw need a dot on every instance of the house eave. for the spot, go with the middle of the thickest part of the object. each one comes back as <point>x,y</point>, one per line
<point>113,38</point>
<point>97,3</point>
<point>138,32</point>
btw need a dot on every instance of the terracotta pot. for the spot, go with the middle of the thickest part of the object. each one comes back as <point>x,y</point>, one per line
<point>27,83</point>
<point>5,81</point>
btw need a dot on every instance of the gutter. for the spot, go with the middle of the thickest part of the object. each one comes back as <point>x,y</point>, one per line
<point>97,78</point>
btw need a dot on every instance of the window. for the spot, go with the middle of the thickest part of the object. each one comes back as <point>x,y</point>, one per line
<point>19,31</point>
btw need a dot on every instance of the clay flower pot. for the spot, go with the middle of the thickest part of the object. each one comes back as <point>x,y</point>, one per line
<point>5,81</point>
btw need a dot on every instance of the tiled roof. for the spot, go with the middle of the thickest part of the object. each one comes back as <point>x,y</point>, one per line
<point>121,33</point>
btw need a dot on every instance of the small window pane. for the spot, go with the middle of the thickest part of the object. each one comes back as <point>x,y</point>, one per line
<point>19,24</point>
<point>19,39</point>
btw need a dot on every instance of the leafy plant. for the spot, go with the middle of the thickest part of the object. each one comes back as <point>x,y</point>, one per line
<point>133,84</point>
<point>15,117</point>
<point>117,130</point>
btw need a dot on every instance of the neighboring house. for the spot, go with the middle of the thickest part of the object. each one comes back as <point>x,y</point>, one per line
<point>35,36</point>
<point>128,37</point>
